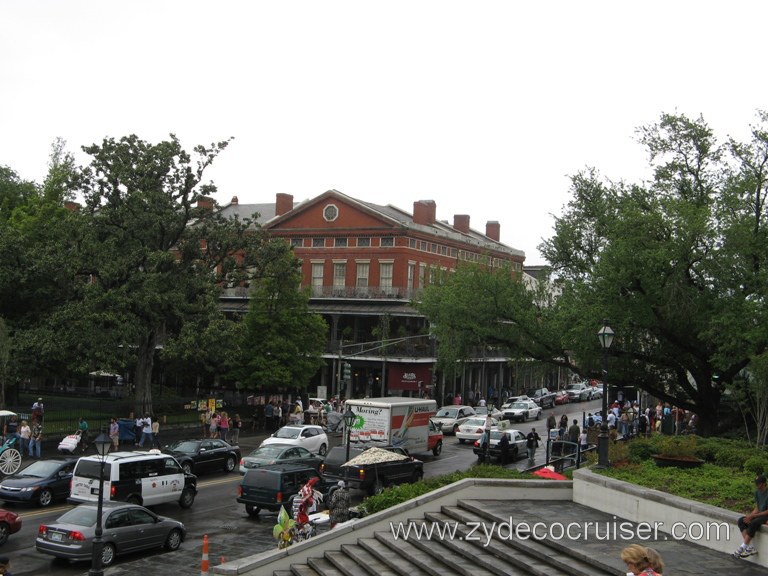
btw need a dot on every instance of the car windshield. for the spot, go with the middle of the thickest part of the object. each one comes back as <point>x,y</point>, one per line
<point>40,469</point>
<point>447,413</point>
<point>268,451</point>
<point>519,405</point>
<point>574,387</point>
<point>496,434</point>
<point>475,422</point>
<point>186,446</point>
<point>79,516</point>
<point>288,432</point>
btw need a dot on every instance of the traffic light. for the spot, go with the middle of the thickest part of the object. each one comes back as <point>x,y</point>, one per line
<point>346,373</point>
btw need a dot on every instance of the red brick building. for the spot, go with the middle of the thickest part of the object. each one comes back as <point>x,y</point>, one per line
<point>365,263</point>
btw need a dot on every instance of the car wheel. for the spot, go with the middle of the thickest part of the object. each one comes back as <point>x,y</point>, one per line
<point>174,540</point>
<point>417,475</point>
<point>46,497</point>
<point>323,450</point>
<point>439,448</point>
<point>187,498</point>
<point>513,454</point>
<point>376,488</point>
<point>230,464</point>
<point>107,554</point>
<point>187,467</point>
<point>461,440</point>
<point>133,500</point>
<point>252,510</point>
<point>5,531</point>
<point>538,415</point>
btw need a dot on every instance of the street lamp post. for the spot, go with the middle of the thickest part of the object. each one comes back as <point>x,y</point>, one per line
<point>349,419</point>
<point>605,334</point>
<point>102,443</point>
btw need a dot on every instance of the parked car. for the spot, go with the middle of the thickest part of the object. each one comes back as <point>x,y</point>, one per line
<point>449,418</point>
<point>473,428</point>
<point>561,397</point>
<point>10,523</point>
<point>517,444</point>
<point>308,436</point>
<point>126,528</point>
<point>597,391</point>
<point>41,483</point>
<point>196,456</point>
<point>579,392</point>
<point>374,477</point>
<point>275,486</point>
<point>542,396</point>
<point>522,411</point>
<point>279,454</point>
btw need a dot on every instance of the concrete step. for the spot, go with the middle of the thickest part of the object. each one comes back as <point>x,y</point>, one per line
<point>431,563</point>
<point>353,560</point>
<point>398,564</point>
<point>303,570</point>
<point>324,567</point>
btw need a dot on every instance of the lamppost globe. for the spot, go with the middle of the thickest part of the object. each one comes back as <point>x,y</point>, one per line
<point>605,335</point>
<point>102,443</point>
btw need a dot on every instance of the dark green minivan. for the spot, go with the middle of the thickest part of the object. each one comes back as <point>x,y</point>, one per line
<point>276,485</point>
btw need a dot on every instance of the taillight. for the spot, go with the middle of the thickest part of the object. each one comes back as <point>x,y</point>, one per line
<point>477,443</point>
<point>41,531</point>
<point>112,491</point>
<point>77,536</point>
<point>362,474</point>
<point>279,497</point>
<point>239,491</point>
<point>242,461</point>
<point>322,468</point>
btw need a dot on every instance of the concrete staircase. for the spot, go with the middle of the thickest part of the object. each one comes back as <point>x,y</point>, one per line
<point>467,553</point>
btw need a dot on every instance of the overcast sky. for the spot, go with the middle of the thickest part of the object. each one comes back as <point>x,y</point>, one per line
<point>484,107</point>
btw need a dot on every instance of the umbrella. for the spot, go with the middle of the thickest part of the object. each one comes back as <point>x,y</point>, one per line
<point>7,413</point>
<point>375,456</point>
<point>549,474</point>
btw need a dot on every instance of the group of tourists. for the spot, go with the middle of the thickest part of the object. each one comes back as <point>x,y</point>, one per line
<point>29,437</point>
<point>221,425</point>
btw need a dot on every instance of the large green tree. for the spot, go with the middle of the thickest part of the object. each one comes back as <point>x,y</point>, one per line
<point>153,252</point>
<point>677,265</point>
<point>282,341</point>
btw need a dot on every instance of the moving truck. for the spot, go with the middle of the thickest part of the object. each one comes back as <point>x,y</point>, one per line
<point>399,422</point>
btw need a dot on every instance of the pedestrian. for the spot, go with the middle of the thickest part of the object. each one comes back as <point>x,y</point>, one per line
<point>531,443</point>
<point>574,432</point>
<point>637,560</point>
<point>24,434</point>
<point>583,443</point>
<point>146,431</point>
<point>213,427</point>
<point>551,423</point>
<point>278,416</point>
<point>114,434</point>
<point>138,426</point>
<point>504,447</point>
<point>224,426</point>
<point>36,439</point>
<point>750,524</point>
<point>563,426</point>
<point>339,506</point>
<point>234,431</point>
<point>654,559</point>
<point>82,427</point>
<point>38,410</point>
<point>205,421</point>
<point>156,433</point>
<point>269,411</point>
<point>5,566</point>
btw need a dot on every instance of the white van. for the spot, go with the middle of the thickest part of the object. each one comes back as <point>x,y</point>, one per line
<point>145,478</point>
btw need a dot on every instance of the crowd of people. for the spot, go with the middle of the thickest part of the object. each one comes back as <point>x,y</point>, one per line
<point>221,425</point>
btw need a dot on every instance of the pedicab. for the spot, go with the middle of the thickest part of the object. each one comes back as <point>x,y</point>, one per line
<point>10,457</point>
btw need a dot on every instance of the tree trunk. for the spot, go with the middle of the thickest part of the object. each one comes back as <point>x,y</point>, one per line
<point>143,381</point>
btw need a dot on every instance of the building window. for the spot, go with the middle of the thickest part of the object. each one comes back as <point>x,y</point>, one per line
<point>297,242</point>
<point>453,252</point>
<point>385,275</point>
<point>362,274</point>
<point>423,245</point>
<point>340,242</point>
<point>318,242</point>
<point>317,275</point>
<point>422,275</point>
<point>387,242</point>
<point>330,212</point>
<point>411,274</point>
<point>339,275</point>
<point>364,242</point>
<point>412,243</point>
<point>433,248</point>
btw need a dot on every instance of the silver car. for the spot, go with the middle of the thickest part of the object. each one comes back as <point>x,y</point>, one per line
<point>126,528</point>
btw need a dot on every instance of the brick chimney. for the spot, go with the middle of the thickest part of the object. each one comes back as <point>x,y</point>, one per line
<point>283,203</point>
<point>234,200</point>
<point>461,222</point>
<point>205,203</point>
<point>493,230</point>
<point>424,212</point>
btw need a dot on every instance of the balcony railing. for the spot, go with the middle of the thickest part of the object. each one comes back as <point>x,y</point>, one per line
<point>347,292</point>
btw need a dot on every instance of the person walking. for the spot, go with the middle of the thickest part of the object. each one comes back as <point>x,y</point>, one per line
<point>214,425</point>
<point>82,427</point>
<point>224,427</point>
<point>531,443</point>
<point>138,425</point>
<point>24,434</point>
<point>146,431</point>
<point>339,505</point>
<point>5,566</point>
<point>35,439</point>
<point>234,432</point>
<point>156,433</point>
<point>504,448</point>
<point>114,434</point>
<point>205,421</point>
<point>269,411</point>
<point>38,410</point>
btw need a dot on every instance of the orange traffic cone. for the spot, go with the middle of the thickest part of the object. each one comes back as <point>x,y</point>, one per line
<point>204,565</point>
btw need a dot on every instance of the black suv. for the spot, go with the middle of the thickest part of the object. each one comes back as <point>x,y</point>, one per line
<point>374,477</point>
<point>274,486</point>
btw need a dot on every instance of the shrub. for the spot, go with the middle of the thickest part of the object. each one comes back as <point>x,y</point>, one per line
<point>731,457</point>
<point>756,465</point>
<point>678,446</point>
<point>641,449</point>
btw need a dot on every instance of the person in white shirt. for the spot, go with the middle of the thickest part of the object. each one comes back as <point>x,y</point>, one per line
<point>146,431</point>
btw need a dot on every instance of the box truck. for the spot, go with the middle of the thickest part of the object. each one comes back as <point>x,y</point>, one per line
<point>399,422</point>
